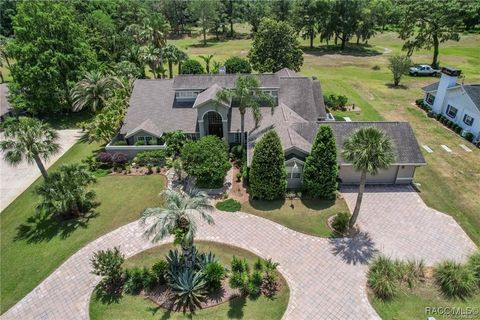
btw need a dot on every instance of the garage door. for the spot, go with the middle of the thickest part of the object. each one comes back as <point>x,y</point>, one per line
<point>350,176</point>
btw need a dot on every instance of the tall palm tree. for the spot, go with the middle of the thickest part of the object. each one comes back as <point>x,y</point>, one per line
<point>182,56</point>
<point>153,57</point>
<point>177,218</point>
<point>92,91</point>
<point>170,53</point>
<point>207,59</point>
<point>247,94</point>
<point>369,149</point>
<point>29,139</point>
<point>155,31</point>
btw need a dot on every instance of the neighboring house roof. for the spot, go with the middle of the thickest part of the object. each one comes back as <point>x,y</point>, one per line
<point>473,91</point>
<point>407,150</point>
<point>285,72</point>
<point>209,95</point>
<point>155,100</point>
<point>4,104</point>
<point>431,87</point>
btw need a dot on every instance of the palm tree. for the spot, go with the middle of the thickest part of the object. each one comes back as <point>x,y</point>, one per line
<point>170,55</point>
<point>177,218</point>
<point>30,139</point>
<point>155,30</point>
<point>248,95</point>
<point>93,91</point>
<point>153,57</point>
<point>369,150</point>
<point>181,57</point>
<point>207,60</point>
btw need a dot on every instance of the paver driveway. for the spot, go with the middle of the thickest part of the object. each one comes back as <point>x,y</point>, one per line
<point>404,226</point>
<point>14,180</point>
<point>326,277</point>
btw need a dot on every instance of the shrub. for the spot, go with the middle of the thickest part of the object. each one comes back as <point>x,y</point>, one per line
<point>175,140</point>
<point>191,66</point>
<point>258,265</point>
<point>474,264</point>
<point>104,158</point>
<point>239,280</point>
<point>108,264</point>
<point>255,284</point>
<point>239,265</point>
<point>237,65</point>
<point>120,143</point>
<point>119,159</point>
<point>229,205</point>
<point>438,116</point>
<point>153,158</point>
<point>206,160</point>
<point>140,143</point>
<point>335,102</point>
<point>410,272</point>
<point>469,136</point>
<point>383,278</point>
<point>398,65</point>
<point>268,177</point>
<point>149,279</point>
<point>321,167</point>
<point>238,176</point>
<point>159,269</point>
<point>418,102</point>
<point>133,281</point>
<point>458,129</point>
<point>189,287</point>
<point>455,280</point>
<point>237,152</point>
<point>340,222</point>
<point>214,273</point>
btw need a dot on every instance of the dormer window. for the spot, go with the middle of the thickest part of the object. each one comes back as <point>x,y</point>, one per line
<point>186,95</point>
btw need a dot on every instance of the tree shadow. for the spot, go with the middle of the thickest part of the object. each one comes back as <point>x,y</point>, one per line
<point>44,227</point>
<point>357,249</point>
<point>266,205</point>
<point>317,204</point>
<point>236,306</point>
<point>360,50</point>
<point>397,87</point>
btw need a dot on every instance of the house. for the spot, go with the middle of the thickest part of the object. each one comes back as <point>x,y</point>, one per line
<point>459,102</point>
<point>188,103</point>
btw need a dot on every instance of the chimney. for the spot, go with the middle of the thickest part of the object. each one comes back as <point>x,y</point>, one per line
<point>448,79</point>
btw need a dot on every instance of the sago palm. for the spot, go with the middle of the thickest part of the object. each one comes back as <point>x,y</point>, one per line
<point>176,218</point>
<point>92,91</point>
<point>29,139</point>
<point>247,95</point>
<point>369,150</point>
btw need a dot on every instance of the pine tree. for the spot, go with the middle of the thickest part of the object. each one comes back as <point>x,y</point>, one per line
<point>321,168</point>
<point>268,177</point>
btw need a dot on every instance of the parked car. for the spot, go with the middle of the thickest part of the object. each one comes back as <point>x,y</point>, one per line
<point>424,70</point>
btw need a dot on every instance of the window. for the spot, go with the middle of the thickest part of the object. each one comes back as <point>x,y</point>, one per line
<point>430,98</point>
<point>468,120</point>
<point>294,171</point>
<point>147,140</point>
<point>452,111</point>
<point>186,95</point>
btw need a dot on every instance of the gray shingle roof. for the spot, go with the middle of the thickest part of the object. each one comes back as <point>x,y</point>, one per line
<point>204,81</point>
<point>147,126</point>
<point>209,95</point>
<point>431,87</point>
<point>473,91</point>
<point>285,72</point>
<point>407,150</point>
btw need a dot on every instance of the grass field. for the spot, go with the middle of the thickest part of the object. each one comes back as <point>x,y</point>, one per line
<point>32,247</point>
<point>308,216</point>
<point>137,307</point>
<point>450,182</point>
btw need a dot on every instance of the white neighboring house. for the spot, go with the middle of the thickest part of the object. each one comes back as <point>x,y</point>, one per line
<point>458,102</point>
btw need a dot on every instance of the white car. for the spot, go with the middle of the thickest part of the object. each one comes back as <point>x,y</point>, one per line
<point>424,70</point>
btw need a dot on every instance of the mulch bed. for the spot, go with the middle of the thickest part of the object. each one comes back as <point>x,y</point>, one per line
<point>164,297</point>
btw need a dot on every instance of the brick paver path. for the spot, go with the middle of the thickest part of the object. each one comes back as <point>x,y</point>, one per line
<point>404,226</point>
<point>326,277</point>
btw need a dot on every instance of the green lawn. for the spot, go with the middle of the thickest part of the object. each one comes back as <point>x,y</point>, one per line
<point>137,307</point>
<point>31,248</point>
<point>413,304</point>
<point>307,215</point>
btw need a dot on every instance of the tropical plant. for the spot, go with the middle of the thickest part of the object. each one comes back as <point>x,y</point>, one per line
<point>206,160</point>
<point>153,157</point>
<point>383,278</point>
<point>455,280</point>
<point>175,140</point>
<point>247,95</point>
<point>399,65</point>
<point>159,269</point>
<point>214,273</point>
<point>207,59</point>
<point>191,66</point>
<point>189,287</point>
<point>369,150</point>
<point>29,139</point>
<point>171,54</point>
<point>93,91</point>
<point>340,222</point>
<point>152,56</point>
<point>181,58</point>
<point>108,264</point>
<point>127,69</point>
<point>236,64</point>
<point>474,264</point>
<point>177,218</point>
<point>268,177</point>
<point>321,167</point>
<point>64,192</point>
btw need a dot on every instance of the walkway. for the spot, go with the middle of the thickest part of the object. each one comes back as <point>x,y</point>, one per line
<point>326,276</point>
<point>14,180</point>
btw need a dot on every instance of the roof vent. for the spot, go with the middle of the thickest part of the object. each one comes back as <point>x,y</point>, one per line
<point>222,70</point>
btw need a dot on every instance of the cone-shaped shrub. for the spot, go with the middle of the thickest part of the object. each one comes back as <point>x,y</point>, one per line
<point>321,168</point>
<point>268,177</point>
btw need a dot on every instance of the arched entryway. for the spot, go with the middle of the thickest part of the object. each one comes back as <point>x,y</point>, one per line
<point>213,124</point>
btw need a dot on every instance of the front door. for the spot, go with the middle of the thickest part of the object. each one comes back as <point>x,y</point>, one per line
<point>214,124</point>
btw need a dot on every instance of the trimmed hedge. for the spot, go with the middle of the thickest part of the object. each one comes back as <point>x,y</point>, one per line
<point>152,158</point>
<point>237,65</point>
<point>192,67</point>
<point>229,205</point>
